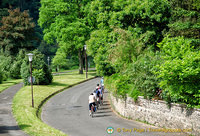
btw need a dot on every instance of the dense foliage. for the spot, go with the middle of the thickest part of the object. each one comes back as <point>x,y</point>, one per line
<point>180,71</point>
<point>40,69</point>
<point>16,32</point>
<point>123,44</point>
<point>63,22</point>
<point>142,46</point>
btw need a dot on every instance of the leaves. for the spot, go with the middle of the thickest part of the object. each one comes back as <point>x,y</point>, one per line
<point>180,71</point>
<point>16,32</point>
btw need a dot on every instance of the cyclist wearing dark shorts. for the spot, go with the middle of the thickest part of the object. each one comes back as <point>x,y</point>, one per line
<point>91,102</point>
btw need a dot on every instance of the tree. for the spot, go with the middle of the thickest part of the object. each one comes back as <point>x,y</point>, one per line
<point>60,59</point>
<point>3,12</point>
<point>180,72</point>
<point>185,20</point>
<point>144,20</point>
<point>5,65</point>
<point>16,32</point>
<point>63,22</point>
<point>31,5</point>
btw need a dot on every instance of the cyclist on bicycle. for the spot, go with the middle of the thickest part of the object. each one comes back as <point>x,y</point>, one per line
<point>101,94</point>
<point>102,81</point>
<point>91,102</point>
<point>98,95</point>
<point>95,94</point>
<point>102,84</point>
<point>98,86</point>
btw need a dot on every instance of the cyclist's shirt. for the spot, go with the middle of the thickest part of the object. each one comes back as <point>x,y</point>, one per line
<point>100,90</point>
<point>97,92</point>
<point>91,98</point>
<point>95,95</point>
<point>102,82</point>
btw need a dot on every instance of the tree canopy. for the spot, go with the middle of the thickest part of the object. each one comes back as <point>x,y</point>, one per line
<point>16,32</point>
<point>63,22</point>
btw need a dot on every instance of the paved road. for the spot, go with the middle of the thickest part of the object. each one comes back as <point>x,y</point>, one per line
<point>68,112</point>
<point>8,125</point>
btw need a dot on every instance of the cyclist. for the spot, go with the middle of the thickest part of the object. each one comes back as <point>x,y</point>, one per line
<point>95,94</point>
<point>102,84</point>
<point>102,81</point>
<point>97,86</point>
<point>98,95</point>
<point>101,94</point>
<point>91,102</point>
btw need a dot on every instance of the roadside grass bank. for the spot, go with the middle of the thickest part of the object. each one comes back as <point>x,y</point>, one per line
<point>26,116</point>
<point>9,83</point>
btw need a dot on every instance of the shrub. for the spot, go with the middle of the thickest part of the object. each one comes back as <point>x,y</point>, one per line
<point>180,72</point>
<point>134,93</point>
<point>141,73</point>
<point>120,86</point>
<point>1,76</point>
<point>38,74</point>
<point>39,68</point>
<point>16,65</point>
<point>5,64</point>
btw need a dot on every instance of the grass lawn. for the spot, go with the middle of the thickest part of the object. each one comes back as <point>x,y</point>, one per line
<point>9,83</point>
<point>26,115</point>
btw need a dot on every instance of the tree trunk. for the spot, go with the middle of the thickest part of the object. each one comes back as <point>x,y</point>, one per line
<point>80,57</point>
<point>86,62</point>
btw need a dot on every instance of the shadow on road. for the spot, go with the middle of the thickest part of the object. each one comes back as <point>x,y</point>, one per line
<point>106,102</point>
<point>103,110</point>
<point>101,115</point>
<point>100,112</point>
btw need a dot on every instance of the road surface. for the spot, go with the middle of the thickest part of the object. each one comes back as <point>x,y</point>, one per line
<point>68,112</point>
<point>8,124</point>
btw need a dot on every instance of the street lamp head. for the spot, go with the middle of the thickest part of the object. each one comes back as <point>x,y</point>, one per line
<point>85,47</point>
<point>30,56</point>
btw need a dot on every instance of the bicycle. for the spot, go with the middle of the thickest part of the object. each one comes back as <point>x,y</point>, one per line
<point>92,110</point>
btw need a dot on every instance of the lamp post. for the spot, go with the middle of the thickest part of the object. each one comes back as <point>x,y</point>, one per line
<point>48,59</point>
<point>86,68</point>
<point>30,56</point>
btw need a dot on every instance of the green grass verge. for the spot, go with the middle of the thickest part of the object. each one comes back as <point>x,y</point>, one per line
<point>9,83</point>
<point>26,116</point>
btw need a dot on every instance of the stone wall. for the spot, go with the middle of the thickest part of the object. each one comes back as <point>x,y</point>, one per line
<point>158,113</point>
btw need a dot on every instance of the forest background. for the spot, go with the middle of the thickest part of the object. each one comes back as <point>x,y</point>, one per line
<point>142,47</point>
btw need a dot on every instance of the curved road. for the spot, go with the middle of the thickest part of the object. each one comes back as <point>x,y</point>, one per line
<point>68,112</point>
<point>8,124</point>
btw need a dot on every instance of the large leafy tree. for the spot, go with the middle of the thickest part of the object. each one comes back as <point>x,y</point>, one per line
<point>16,32</point>
<point>3,12</point>
<point>144,21</point>
<point>180,71</point>
<point>31,5</point>
<point>185,20</point>
<point>63,22</point>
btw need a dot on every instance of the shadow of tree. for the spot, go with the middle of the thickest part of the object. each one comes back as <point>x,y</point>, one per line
<point>5,129</point>
<point>23,126</point>
<point>57,84</point>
